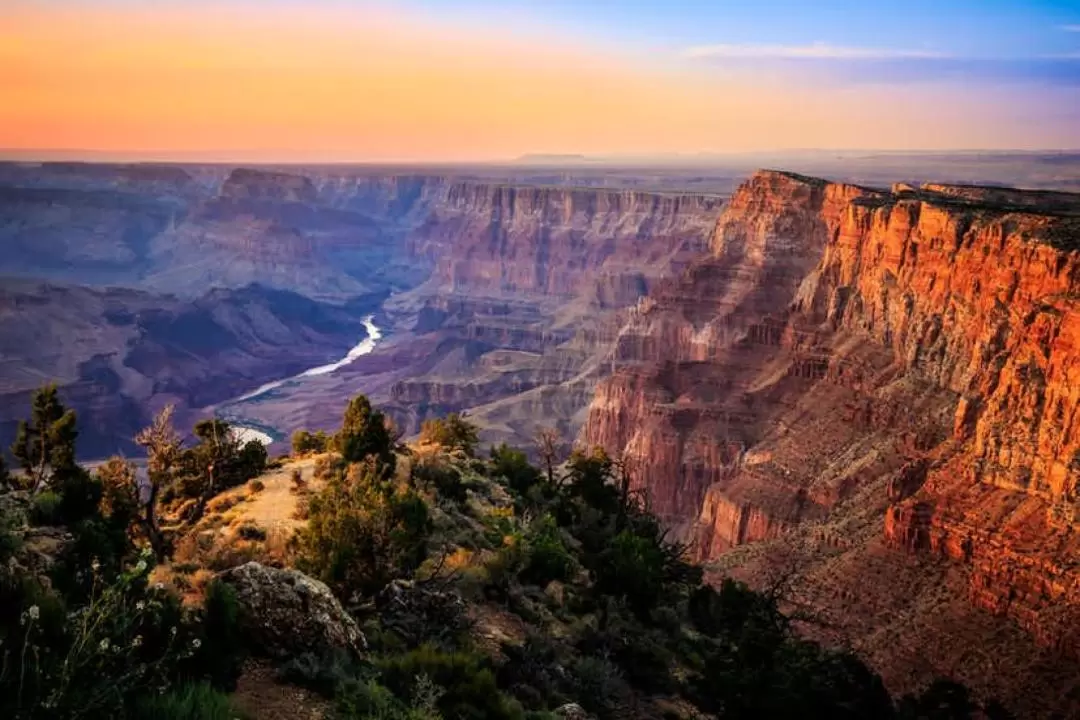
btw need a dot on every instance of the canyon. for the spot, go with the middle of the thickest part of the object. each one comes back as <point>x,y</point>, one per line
<point>852,374</point>
<point>864,391</point>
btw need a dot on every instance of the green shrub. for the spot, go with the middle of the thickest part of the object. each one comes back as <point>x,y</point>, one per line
<point>364,432</point>
<point>513,465</point>
<point>250,531</point>
<point>368,700</point>
<point>304,442</point>
<point>599,686</point>
<point>445,480</point>
<point>222,651</point>
<point>325,672</point>
<point>197,701</point>
<point>252,460</point>
<point>548,558</point>
<point>453,432</point>
<point>468,686</point>
<point>46,509</point>
<point>363,531</point>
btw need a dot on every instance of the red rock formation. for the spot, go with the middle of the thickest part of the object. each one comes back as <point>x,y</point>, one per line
<point>922,344</point>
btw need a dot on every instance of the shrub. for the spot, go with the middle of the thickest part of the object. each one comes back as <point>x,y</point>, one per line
<point>371,701</point>
<point>453,432</point>
<point>222,651</point>
<point>46,509</point>
<point>599,687</point>
<point>250,531</point>
<point>364,433</point>
<point>256,486</point>
<point>444,479</point>
<point>468,685</point>
<point>98,660</point>
<point>513,465</point>
<point>324,672</point>
<point>252,459</point>
<point>363,531</point>
<point>197,701</point>
<point>548,558</point>
<point>297,480</point>
<point>305,443</point>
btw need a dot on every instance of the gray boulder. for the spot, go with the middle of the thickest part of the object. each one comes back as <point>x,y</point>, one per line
<point>285,613</point>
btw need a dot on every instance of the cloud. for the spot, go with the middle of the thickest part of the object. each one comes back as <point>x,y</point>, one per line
<point>815,51</point>
<point>1071,28</point>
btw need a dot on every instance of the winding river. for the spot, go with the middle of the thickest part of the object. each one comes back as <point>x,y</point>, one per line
<point>364,347</point>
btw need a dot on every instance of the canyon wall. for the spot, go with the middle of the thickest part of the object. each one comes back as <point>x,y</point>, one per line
<point>852,370</point>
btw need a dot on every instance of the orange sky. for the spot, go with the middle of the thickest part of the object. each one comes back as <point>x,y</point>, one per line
<point>365,84</point>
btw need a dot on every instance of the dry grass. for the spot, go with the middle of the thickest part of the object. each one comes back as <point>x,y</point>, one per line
<point>251,523</point>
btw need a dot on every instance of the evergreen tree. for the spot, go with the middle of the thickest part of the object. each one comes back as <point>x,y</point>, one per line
<point>45,445</point>
<point>364,433</point>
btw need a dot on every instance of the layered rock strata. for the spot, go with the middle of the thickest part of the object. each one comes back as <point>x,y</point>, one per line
<point>913,354</point>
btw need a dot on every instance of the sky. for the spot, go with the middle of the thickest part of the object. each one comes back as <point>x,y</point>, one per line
<point>484,80</point>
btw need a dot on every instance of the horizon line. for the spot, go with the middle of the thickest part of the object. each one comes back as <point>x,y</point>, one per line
<point>200,157</point>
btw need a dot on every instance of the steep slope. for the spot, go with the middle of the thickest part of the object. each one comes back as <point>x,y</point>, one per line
<point>852,370</point>
<point>522,302</point>
<point>119,354</point>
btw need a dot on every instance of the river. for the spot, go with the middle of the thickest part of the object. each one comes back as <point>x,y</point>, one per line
<point>364,347</point>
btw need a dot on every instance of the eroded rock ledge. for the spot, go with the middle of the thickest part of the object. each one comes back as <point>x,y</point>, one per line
<point>923,341</point>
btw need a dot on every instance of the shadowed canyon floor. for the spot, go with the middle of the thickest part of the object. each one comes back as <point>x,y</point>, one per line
<point>871,392</point>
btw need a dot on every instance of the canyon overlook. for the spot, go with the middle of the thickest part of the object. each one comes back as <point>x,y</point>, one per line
<point>874,393</point>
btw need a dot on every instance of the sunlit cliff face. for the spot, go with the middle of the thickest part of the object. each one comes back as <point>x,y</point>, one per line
<point>359,82</point>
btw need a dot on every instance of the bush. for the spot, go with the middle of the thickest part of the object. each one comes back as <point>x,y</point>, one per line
<point>252,459</point>
<point>297,480</point>
<point>362,532</point>
<point>371,701</point>
<point>306,443</point>
<point>468,685</point>
<point>364,432</point>
<point>548,558</point>
<point>453,432</point>
<point>198,701</point>
<point>444,479</point>
<point>46,509</point>
<point>256,486</point>
<point>324,672</point>
<point>250,531</point>
<point>599,686</point>
<point>513,465</point>
<point>222,652</point>
<point>97,660</point>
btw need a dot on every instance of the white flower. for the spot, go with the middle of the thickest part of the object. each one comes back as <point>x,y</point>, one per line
<point>140,567</point>
<point>104,644</point>
<point>137,641</point>
<point>140,606</point>
<point>196,643</point>
<point>95,565</point>
<point>172,630</point>
<point>34,612</point>
<point>159,586</point>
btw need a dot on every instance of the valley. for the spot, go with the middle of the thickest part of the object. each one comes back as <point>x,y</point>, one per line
<point>866,387</point>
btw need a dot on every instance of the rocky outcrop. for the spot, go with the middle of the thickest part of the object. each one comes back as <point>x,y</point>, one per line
<point>561,242</point>
<point>922,341</point>
<point>285,613</point>
<point>248,184</point>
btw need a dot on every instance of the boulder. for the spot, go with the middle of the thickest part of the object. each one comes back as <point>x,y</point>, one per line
<point>571,711</point>
<point>285,612</point>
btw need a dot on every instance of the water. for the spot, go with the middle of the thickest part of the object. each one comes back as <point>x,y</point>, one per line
<point>244,434</point>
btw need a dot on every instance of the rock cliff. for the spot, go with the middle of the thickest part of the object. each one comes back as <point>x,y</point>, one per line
<point>904,362</point>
